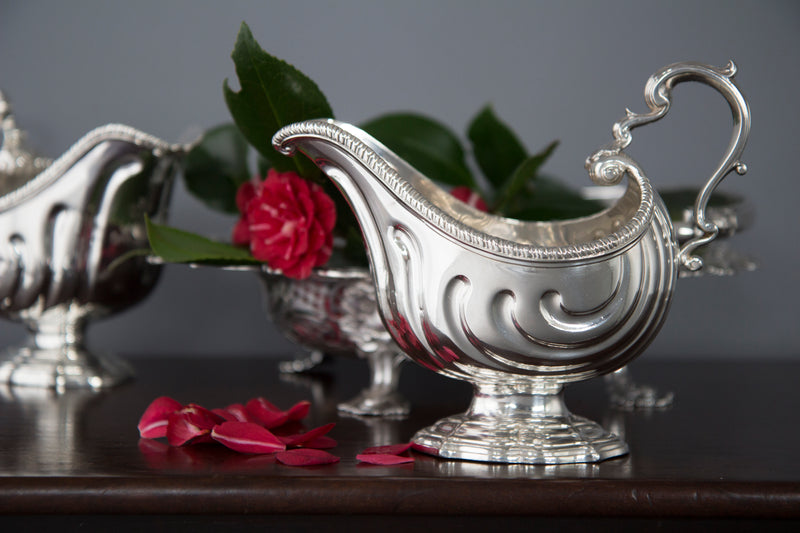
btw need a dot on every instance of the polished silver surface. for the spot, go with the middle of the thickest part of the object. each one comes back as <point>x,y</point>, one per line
<point>72,245</point>
<point>731,214</point>
<point>334,312</point>
<point>518,309</point>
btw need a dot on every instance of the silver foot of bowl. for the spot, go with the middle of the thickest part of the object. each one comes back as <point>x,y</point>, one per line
<point>381,397</point>
<point>624,393</point>
<point>55,355</point>
<point>61,368</point>
<point>520,426</point>
<point>376,402</point>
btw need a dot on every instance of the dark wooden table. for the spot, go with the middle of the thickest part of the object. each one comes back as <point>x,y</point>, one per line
<point>729,449</point>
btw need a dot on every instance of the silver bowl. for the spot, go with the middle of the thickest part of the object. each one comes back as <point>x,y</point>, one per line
<point>334,312</point>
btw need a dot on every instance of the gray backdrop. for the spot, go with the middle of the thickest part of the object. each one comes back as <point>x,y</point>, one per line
<point>563,70</point>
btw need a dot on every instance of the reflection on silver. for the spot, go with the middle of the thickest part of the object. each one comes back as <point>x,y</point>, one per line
<point>72,243</point>
<point>18,162</point>
<point>334,312</point>
<point>731,214</point>
<point>519,308</point>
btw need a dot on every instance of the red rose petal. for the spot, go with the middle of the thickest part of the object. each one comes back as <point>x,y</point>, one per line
<point>191,425</point>
<point>245,193</point>
<point>263,403</point>
<point>391,449</point>
<point>302,438</point>
<point>321,443</point>
<point>384,459</point>
<point>265,413</point>
<point>246,437</point>
<point>224,414</point>
<point>306,457</point>
<point>153,423</point>
<point>299,410</point>
<point>236,412</point>
<point>469,197</point>
<point>240,236</point>
<point>424,449</point>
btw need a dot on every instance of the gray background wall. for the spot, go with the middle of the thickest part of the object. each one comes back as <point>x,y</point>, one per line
<point>563,70</point>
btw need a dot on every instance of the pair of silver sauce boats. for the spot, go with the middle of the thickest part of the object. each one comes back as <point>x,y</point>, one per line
<point>517,309</point>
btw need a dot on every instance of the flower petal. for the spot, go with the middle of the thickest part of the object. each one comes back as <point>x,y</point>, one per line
<point>391,449</point>
<point>245,193</point>
<point>302,438</point>
<point>299,410</point>
<point>424,449</point>
<point>191,425</point>
<point>470,197</point>
<point>182,429</point>
<point>235,413</point>
<point>224,414</point>
<point>153,423</point>
<point>246,437</point>
<point>265,413</point>
<point>306,457</point>
<point>384,459</point>
<point>241,233</point>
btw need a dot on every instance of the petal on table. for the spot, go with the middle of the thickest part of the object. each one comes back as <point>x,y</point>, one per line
<point>390,449</point>
<point>246,437</point>
<point>384,459</point>
<point>153,423</point>
<point>302,438</point>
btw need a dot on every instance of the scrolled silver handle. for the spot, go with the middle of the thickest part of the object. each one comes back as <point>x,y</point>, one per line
<point>657,95</point>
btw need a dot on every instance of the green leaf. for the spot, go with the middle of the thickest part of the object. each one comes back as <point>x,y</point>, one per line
<point>497,149</point>
<point>216,166</point>
<point>273,94</point>
<point>549,199</point>
<point>425,144</point>
<point>525,171</point>
<point>178,246</point>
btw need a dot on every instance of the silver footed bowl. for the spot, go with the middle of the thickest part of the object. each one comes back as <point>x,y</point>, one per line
<point>72,238</point>
<point>334,312</point>
<point>519,309</point>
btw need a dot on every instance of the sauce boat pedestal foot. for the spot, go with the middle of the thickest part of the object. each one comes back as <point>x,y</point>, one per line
<point>519,423</point>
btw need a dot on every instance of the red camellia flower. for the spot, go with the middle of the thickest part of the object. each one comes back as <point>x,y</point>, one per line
<point>469,197</point>
<point>241,231</point>
<point>287,222</point>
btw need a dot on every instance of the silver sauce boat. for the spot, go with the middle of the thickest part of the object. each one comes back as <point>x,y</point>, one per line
<point>333,312</point>
<point>519,309</point>
<point>72,243</point>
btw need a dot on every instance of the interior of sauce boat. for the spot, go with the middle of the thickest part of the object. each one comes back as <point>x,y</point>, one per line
<point>535,233</point>
<point>610,229</point>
